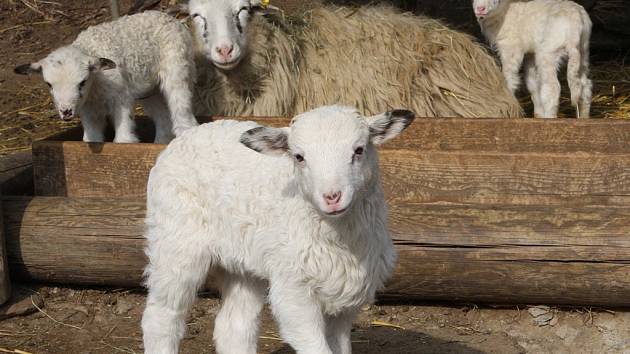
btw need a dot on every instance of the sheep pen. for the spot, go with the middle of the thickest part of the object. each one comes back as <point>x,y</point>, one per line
<point>107,320</point>
<point>374,58</point>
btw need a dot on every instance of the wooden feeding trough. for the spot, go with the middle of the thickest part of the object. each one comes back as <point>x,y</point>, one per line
<point>483,210</point>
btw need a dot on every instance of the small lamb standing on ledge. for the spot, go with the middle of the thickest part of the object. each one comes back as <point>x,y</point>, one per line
<point>541,33</point>
<point>309,223</point>
<point>146,57</point>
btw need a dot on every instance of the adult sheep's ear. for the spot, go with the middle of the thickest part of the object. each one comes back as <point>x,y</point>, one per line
<point>388,125</point>
<point>101,64</point>
<point>270,141</point>
<point>27,69</point>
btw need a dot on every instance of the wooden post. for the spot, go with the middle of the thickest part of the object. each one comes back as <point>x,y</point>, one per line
<point>115,7</point>
<point>5,284</point>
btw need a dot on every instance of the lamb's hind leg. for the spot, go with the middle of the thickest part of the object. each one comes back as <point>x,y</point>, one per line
<point>237,323</point>
<point>124,125</point>
<point>174,275</point>
<point>156,108</point>
<point>177,78</point>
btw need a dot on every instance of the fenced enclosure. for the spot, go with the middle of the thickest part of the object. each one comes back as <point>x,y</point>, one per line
<point>481,210</point>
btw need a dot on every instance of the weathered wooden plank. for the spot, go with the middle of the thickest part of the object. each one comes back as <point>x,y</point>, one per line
<point>462,252</point>
<point>75,169</point>
<point>16,174</point>
<point>5,283</point>
<point>461,134</point>
<point>506,178</point>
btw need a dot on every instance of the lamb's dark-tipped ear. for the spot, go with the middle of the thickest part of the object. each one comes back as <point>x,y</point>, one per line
<point>102,64</point>
<point>271,141</point>
<point>27,69</point>
<point>388,125</point>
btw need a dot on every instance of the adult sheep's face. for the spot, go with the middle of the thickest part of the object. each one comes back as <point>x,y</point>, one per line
<point>68,73</point>
<point>483,8</point>
<point>220,28</point>
<point>333,149</point>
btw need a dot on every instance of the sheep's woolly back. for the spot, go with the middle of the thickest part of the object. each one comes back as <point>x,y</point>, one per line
<point>142,45</point>
<point>373,58</point>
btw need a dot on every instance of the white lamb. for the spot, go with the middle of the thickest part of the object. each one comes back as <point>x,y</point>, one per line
<point>146,57</point>
<point>308,223</point>
<point>541,33</point>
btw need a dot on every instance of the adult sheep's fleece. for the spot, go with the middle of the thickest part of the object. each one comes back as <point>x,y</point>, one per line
<point>373,58</point>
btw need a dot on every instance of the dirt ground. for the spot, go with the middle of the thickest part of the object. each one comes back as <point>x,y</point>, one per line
<point>75,320</point>
<point>79,320</point>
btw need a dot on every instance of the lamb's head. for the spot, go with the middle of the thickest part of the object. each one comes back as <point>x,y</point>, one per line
<point>220,28</point>
<point>68,72</point>
<point>333,149</point>
<point>483,8</point>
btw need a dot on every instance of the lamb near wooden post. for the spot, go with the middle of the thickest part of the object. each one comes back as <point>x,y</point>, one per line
<point>146,57</point>
<point>299,211</point>
<point>541,33</point>
<point>252,62</point>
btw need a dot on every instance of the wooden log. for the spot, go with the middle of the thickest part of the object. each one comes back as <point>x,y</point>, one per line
<point>5,283</point>
<point>16,174</point>
<point>461,252</point>
<point>523,161</point>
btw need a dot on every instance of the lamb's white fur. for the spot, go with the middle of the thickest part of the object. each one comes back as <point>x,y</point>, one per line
<point>257,221</point>
<point>541,33</point>
<point>146,57</point>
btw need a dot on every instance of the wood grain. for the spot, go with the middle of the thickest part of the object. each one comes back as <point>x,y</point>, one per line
<point>453,252</point>
<point>5,283</point>
<point>604,136</point>
<point>75,169</point>
<point>16,174</point>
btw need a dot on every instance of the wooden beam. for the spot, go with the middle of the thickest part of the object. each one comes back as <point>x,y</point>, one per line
<point>76,169</point>
<point>16,174</point>
<point>5,283</point>
<point>457,252</point>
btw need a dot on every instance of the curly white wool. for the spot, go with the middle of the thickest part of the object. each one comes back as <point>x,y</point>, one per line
<point>308,222</point>
<point>541,33</point>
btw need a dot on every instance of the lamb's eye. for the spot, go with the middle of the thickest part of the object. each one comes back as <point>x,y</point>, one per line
<point>48,83</point>
<point>358,151</point>
<point>81,84</point>
<point>299,158</point>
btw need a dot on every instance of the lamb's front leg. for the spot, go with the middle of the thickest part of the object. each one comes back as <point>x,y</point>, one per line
<point>511,61</point>
<point>300,319</point>
<point>124,125</point>
<point>338,330</point>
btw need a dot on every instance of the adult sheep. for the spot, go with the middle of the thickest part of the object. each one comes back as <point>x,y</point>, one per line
<point>373,58</point>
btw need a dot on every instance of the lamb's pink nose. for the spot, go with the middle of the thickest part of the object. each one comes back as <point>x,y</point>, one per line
<point>332,198</point>
<point>225,51</point>
<point>480,10</point>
